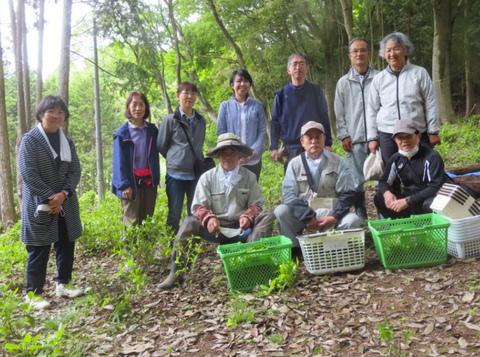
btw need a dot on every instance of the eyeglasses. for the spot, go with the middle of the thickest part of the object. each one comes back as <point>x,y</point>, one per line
<point>361,50</point>
<point>231,152</point>
<point>189,94</point>
<point>298,64</point>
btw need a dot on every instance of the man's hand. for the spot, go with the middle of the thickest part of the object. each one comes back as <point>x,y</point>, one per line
<point>55,202</point>
<point>347,144</point>
<point>399,205</point>
<point>274,155</point>
<point>373,146</point>
<point>213,226</point>
<point>244,223</point>
<point>328,148</point>
<point>434,140</point>
<point>313,224</point>
<point>327,222</point>
<point>127,194</point>
<point>389,199</point>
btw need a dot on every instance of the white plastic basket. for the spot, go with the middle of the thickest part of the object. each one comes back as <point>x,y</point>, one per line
<point>462,250</point>
<point>466,229</point>
<point>333,251</point>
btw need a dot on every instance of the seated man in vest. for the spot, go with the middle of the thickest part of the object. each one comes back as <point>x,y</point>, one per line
<point>412,176</point>
<point>331,180</point>
<point>227,205</point>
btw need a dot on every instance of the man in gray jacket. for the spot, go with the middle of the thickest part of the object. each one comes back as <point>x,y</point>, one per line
<point>350,109</point>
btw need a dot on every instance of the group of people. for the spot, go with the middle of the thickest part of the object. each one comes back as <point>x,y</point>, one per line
<point>393,111</point>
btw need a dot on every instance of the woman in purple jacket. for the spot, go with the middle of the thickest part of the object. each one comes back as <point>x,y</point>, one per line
<point>136,167</point>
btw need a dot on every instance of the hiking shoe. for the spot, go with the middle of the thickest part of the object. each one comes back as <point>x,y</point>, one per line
<point>38,302</point>
<point>68,290</point>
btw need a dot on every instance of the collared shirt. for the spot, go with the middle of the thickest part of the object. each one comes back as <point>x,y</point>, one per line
<point>139,138</point>
<point>189,121</point>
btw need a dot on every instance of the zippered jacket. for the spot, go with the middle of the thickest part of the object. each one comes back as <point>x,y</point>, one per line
<point>173,144</point>
<point>124,158</point>
<point>420,177</point>
<point>351,99</point>
<point>410,95</point>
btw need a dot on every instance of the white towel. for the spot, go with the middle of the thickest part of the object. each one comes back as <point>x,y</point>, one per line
<point>231,177</point>
<point>65,153</point>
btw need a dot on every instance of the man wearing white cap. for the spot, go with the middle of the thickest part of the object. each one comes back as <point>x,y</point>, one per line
<point>227,205</point>
<point>412,176</point>
<point>330,181</point>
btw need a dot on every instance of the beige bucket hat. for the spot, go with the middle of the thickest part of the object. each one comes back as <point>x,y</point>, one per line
<point>230,140</point>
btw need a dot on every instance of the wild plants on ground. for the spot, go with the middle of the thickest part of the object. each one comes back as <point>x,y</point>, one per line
<point>394,345</point>
<point>286,278</point>
<point>240,312</point>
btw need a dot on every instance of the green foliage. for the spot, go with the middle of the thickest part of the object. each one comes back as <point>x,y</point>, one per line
<point>286,278</point>
<point>387,335</point>
<point>460,142</point>
<point>240,312</point>
<point>12,252</point>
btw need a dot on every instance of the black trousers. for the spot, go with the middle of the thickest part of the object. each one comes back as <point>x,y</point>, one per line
<point>38,258</point>
<point>291,153</point>
<point>388,146</point>
<point>256,169</point>
<point>382,209</point>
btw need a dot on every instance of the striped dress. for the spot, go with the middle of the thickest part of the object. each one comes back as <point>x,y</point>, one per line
<point>42,179</point>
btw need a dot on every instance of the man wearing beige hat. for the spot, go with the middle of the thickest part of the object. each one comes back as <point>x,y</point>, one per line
<point>227,205</point>
<point>412,176</point>
<point>318,189</point>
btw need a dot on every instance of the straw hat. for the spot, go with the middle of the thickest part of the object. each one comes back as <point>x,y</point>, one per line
<point>230,140</point>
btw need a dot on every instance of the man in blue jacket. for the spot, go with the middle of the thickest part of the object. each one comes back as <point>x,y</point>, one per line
<point>296,104</point>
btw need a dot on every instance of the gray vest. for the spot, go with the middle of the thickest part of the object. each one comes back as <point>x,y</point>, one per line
<point>328,177</point>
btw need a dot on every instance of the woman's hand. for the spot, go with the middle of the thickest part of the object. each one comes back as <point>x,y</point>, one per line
<point>55,203</point>
<point>127,194</point>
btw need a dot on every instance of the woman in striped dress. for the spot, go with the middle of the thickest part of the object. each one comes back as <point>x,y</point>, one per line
<point>50,171</point>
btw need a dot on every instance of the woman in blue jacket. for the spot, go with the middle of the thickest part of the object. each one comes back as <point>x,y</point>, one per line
<point>136,167</point>
<point>244,117</point>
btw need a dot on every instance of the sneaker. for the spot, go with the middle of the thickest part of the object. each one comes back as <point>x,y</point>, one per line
<point>68,290</point>
<point>38,302</point>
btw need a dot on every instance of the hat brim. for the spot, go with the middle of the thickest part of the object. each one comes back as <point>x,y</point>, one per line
<point>404,131</point>
<point>245,150</point>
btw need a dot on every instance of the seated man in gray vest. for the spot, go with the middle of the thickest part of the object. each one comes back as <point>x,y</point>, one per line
<point>331,182</point>
<point>227,205</point>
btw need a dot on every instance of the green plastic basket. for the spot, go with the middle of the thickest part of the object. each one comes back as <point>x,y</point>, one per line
<point>411,242</point>
<point>251,264</point>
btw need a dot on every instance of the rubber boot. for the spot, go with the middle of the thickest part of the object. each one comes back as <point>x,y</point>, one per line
<point>360,208</point>
<point>171,281</point>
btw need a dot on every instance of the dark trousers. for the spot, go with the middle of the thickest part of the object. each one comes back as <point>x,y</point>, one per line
<point>382,209</point>
<point>291,153</point>
<point>388,146</point>
<point>176,191</point>
<point>256,169</point>
<point>37,260</point>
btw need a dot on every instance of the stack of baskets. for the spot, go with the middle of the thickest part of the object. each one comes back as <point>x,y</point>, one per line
<point>454,202</point>
<point>464,237</point>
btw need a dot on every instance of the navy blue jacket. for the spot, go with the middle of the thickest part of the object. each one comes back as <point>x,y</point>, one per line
<point>124,156</point>
<point>293,108</point>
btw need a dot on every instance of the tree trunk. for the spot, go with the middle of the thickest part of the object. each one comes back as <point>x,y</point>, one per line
<point>347,7</point>
<point>64,67</point>
<point>26,72</point>
<point>7,202</point>
<point>330,41</point>
<point>442,37</point>
<point>175,41</point>
<point>98,122</point>
<point>469,88</point>
<point>205,104</point>
<point>17,35</point>
<point>41,25</point>
<point>159,77</point>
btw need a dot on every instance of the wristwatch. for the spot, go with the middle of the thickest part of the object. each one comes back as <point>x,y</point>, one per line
<point>408,200</point>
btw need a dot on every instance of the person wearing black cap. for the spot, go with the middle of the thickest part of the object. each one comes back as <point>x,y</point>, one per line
<point>227,205</point>
<point>412,176</point>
